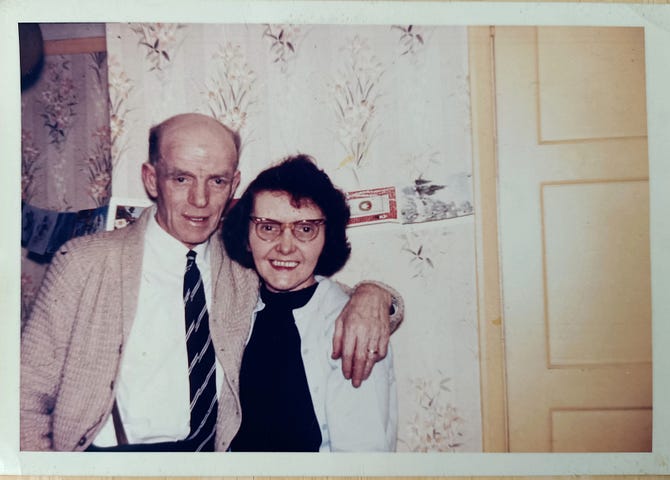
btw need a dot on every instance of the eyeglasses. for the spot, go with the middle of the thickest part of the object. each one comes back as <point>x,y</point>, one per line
<point>303,230</point>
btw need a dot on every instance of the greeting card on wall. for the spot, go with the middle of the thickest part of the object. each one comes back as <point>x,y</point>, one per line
<point>426,200</point>
<point>124,211</point>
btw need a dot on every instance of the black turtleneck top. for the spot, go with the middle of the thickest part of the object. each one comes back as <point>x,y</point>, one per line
<point>277,410</point>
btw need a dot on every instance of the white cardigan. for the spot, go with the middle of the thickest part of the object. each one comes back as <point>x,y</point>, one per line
<point>363,419</point>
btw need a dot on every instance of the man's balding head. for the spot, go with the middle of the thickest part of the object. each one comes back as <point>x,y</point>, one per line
<point>183,123</point>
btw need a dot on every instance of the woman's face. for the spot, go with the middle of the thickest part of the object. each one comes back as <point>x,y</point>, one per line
<point>285,263</point>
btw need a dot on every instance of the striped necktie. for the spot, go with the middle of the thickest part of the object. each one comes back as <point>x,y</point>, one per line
<point>201,360</point>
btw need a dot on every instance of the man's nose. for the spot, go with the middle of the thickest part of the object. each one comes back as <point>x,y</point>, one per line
<point>199,196</point>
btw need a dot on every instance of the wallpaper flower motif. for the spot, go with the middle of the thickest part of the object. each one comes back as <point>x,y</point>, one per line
<point>58,98</point>
<point>283,39</point>
<point>419,255</point>
<point>58,168</point>
<point>229,91</point>
<point>355,93</point>
<point>411,38</point>
<point>99,167</point>
<point>29,165</point>
<point>436,424</point>
<point>120,88</point>
<point>161,41</point>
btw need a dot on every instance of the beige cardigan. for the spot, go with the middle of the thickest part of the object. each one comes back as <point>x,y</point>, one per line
<point>72,345</point>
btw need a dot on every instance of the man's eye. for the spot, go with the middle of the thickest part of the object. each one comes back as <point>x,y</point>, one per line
<point>180,179</point>
<point>306,228</point>
<point>220,181</point>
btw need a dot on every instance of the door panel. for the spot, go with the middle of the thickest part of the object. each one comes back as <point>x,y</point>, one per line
<point>616,430</point>
<point>597,227</point>
<point>577,64</point>
<point>574,237</point>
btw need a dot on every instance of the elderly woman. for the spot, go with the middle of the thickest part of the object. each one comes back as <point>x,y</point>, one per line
<point>293,224</point>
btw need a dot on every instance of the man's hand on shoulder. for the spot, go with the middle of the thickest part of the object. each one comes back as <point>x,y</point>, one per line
<point>362,331</point>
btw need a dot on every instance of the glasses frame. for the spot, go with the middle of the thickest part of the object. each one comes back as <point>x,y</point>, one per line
<point>257,221</point>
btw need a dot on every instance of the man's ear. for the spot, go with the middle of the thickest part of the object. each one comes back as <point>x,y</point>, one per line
<point>150,180</point>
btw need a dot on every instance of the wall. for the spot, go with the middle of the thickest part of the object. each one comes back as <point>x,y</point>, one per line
<point>378,106</point>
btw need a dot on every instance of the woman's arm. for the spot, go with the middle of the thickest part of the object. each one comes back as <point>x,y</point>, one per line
<point>363,419</point>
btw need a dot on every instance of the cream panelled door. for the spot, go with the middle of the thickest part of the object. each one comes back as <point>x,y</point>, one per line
<point>574,237</point>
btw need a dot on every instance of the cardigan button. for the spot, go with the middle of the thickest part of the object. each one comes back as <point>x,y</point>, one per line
<point>82,441</point>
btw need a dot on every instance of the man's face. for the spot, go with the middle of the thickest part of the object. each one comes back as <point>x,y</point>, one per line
<point>193,181</point>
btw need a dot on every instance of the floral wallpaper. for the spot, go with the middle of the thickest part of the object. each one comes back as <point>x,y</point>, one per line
<point>377,106</point>
<point>355,93</point>
<point>230,91</point>
<point>66,160</point>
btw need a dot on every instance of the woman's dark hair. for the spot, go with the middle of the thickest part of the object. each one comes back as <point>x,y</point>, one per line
<point>299,177</point>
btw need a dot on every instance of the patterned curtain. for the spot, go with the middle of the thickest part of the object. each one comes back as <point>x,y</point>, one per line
<point>65,161</point>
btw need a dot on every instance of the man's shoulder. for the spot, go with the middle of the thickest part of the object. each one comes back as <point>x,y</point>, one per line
<point>97,243</point>
<point>232,273</point>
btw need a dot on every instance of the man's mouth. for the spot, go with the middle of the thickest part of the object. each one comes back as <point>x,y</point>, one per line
<point>196,219</point>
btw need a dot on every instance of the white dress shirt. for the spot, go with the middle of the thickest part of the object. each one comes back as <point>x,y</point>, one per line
<point>152,387</point>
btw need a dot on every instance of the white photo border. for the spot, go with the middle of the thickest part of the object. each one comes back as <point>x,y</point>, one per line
<point>656,21</point>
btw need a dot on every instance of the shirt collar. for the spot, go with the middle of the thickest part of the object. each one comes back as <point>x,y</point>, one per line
<point>168,249</point>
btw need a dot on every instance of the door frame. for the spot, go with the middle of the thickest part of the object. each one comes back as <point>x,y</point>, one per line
<point>495,436</point>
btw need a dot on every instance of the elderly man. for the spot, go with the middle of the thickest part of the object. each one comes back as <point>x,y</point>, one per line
<point>136,336</point>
